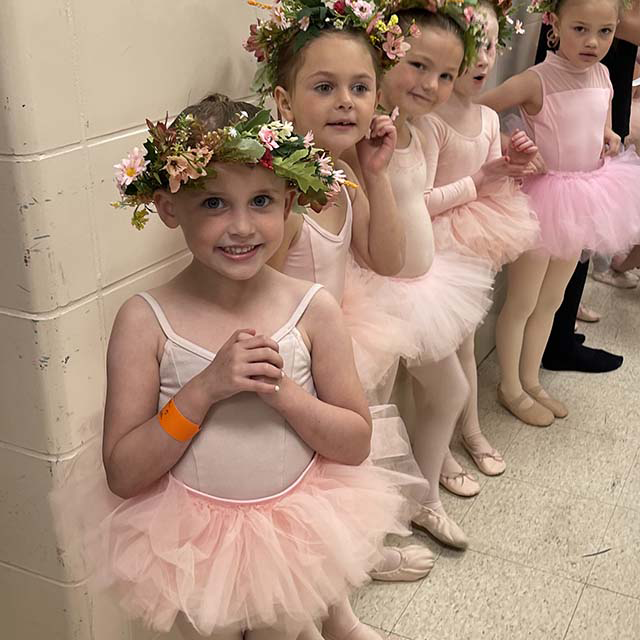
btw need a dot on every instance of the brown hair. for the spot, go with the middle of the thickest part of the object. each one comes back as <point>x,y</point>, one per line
<point>217,111</point>
<point>430,20</point>
<point>290,61</point>
<point>620,3</point>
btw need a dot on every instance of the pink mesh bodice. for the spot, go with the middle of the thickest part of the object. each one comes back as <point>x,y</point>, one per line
<point>569,129</point>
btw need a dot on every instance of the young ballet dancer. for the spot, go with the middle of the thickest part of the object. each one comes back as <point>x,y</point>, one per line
<point>476,209</point>
<point>443,296</point>
<point>327,85</point>
<point>235,425</point>
<point>585,201</point>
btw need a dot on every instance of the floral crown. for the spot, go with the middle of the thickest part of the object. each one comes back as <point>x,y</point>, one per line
<point>507,26</point>
<point>182,153</point>
<point>299,21</point>
<point>547,7</point>
<point>462,12</point>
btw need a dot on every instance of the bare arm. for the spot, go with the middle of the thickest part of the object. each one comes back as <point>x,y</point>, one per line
<point>523,90</point>
<point>337,423</point>
<point>378,232</point>
<point>136,450</point>
<point>629,25</point>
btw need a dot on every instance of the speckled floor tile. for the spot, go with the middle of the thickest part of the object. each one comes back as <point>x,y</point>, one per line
<point>630,496</point>
<point>538,527</point>
<point>479,596</point>
<point>579,463</point>
<point>619,569</point>
<point>381,604</point>
<point>602,615</point>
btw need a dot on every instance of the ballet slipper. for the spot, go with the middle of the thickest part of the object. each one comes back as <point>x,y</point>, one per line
<point>359,632</point>
<point>536,415</point>
<point>441,527</point>
<point>415,563</point>
<point>462,484</point>
<point>587,315</point>
<point>619,279</point>
<point>491,463</point>
<point>558,408</point>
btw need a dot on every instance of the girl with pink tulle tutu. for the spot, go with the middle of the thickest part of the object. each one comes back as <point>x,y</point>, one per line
<point>235,424</point>
<point>476,208</point>
<point>588,200</point>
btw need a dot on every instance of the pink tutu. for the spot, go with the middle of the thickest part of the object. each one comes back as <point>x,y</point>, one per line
<point>438,310</point>
<point>498,226</point>
<point>596,211</point>
<point>378,335</point>
<point>275,562</point>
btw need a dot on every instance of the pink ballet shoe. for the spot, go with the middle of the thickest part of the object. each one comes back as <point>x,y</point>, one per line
<point>587,315</point>
<point>359,632</point>
<point>558,408</point>
<point>441,527</point>
<point>619,279</point>
<point>462,484</point>
<point>491,463</point>
<point>415,563</point>
<point>536,415</point>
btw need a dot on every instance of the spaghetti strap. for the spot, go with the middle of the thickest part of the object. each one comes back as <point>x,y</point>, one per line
<point>162,319</point>
<point>298,312</point>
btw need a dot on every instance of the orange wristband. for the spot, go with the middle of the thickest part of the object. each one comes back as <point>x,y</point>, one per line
<point>175,424</point>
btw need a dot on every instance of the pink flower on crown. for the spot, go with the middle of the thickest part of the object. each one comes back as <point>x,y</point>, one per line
<point>130,167</point>
<point>414,31</point>
<point>267,160</point>
<point>279,18</point>
<point>268,138</point>
<point>181,169</point>
<point>364,10</point>
<point>252,44</point>
<point>395,47</point>
<point>308,139</point>
<point>546,18</point>
<point>325,165</point>
<point>468,14</point>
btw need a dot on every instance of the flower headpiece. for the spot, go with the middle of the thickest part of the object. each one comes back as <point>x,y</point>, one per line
<point>462,12</point>
<point>298,21</point>
<point>547,7</point>
<point>183,153</point>
<point>507,26</point>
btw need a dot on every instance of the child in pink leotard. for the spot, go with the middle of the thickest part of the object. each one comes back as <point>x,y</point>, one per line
<point>476,210</point>
<point>241,508</point>
<point>588,200</point>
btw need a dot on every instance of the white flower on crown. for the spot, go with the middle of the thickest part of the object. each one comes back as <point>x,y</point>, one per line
<point>279,18</point>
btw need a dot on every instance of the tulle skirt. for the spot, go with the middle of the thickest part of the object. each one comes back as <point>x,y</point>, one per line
<point>596,211</point>
<point>498,226</point>
<point>378,334</point>
<point>270,563</point>
<point>436,311</point>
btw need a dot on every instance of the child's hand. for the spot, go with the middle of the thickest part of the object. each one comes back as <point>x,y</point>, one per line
<point>521,148</point>
<point>612,142</point>
<point>374,152</point>
<point>245,362</point>
<point>501,168</point>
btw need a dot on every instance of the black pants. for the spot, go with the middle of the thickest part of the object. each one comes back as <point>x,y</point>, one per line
<point>620,61</point>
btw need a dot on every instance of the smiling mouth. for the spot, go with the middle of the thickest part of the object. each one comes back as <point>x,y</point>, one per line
<point>238,251</point>
<point>479,78</point>
<point>420,97</point>
<point>345,123</point>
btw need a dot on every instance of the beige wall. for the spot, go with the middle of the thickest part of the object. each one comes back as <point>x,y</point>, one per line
<point>78,77</point>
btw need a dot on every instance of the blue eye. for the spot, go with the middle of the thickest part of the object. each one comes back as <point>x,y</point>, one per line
<point>360,88</point>
<point>262,201</point>
<point>447,76</point>
<point>213,203</point>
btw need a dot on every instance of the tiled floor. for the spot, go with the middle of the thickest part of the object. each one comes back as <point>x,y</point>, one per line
<point>555,542</point>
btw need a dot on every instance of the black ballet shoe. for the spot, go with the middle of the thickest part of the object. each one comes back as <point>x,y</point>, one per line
<point>579,337</point>
<point>583,359</point>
